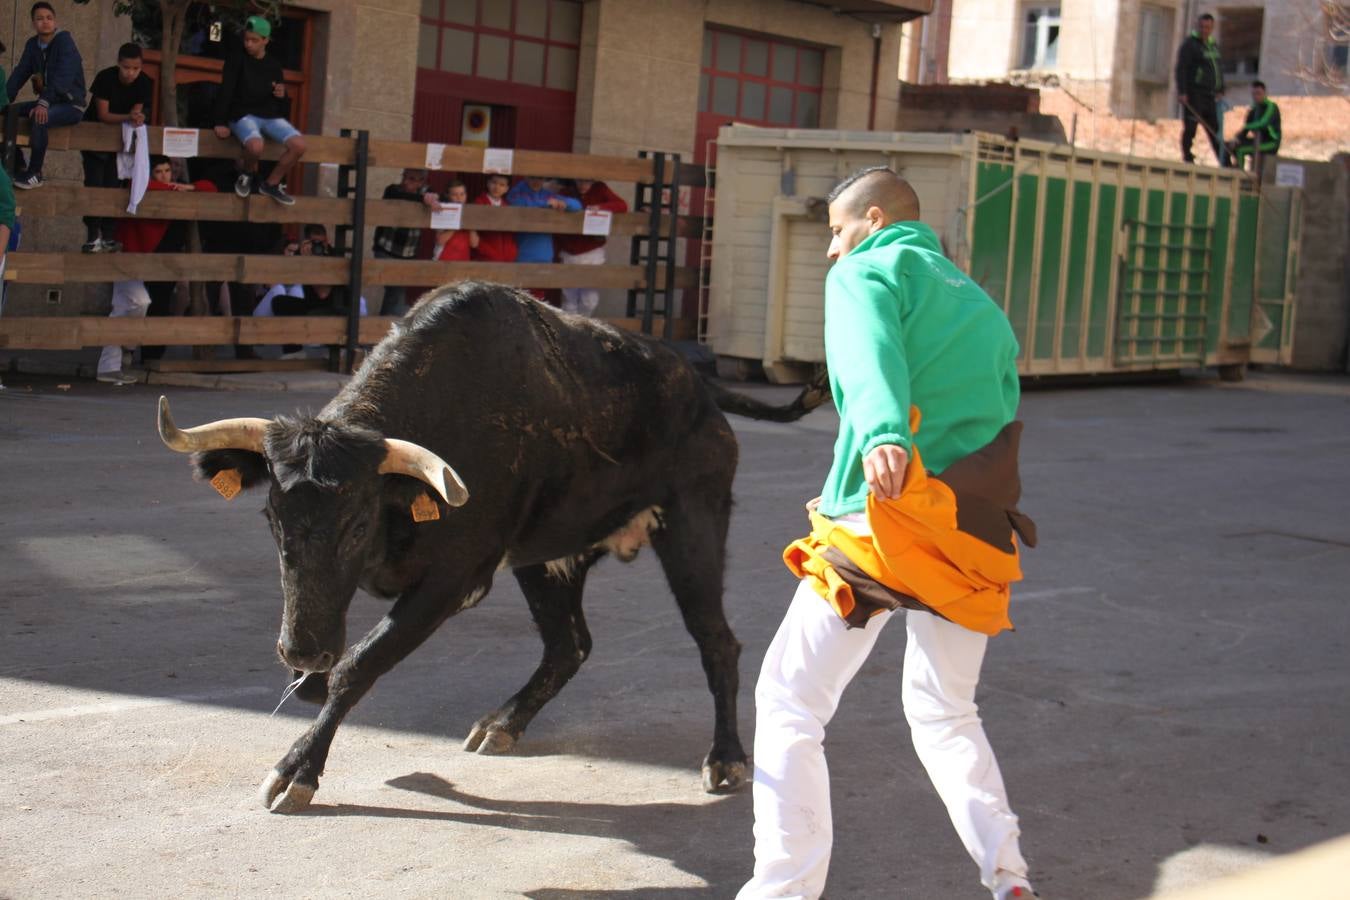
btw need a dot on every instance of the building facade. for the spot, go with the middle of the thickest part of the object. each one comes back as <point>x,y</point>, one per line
<point>591,76</point>
<point>1105,66</point>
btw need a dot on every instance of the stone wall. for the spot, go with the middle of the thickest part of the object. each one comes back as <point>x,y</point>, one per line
<point>1322,312</point>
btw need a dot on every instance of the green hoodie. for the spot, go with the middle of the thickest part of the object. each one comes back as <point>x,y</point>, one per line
<point>904,325</point>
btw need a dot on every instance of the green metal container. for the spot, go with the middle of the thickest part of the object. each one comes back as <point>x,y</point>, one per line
<point>1102,262</point>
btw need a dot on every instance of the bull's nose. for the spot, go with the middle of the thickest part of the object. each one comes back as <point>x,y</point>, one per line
<point>304,662</point>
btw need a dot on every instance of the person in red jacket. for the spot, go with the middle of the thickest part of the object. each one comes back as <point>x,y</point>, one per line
<point>154,298</point>
<point>456,245</point>
<point>587,250</point>
<point>494,246</point>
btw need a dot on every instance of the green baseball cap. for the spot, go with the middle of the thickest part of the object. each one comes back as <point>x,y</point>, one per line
<point>258,25</point>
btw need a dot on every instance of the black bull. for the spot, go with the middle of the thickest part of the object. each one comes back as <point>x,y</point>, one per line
<point>489,431</point>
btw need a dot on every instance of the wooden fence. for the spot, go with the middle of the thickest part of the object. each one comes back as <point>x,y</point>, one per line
<point>648,273</point>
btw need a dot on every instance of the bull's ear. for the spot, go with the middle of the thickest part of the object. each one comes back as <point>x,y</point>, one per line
<point>229,471</point>
<point>410,499</point>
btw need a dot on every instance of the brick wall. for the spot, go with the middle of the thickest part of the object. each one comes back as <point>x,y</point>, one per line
<point>1314,127</point>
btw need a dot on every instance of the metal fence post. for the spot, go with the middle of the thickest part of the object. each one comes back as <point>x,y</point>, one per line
<point>358,249</point>
<point>653,244</point>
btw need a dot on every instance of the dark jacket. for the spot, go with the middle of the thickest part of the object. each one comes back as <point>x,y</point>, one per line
<point>246,89</point>
<point>62,71</point>
<point>1263,121</point>
<point>1198,70</point>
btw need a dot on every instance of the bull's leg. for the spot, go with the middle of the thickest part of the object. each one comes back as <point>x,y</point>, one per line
<point>291,785</point>
<point>555,603</point>
<point>692,548</point>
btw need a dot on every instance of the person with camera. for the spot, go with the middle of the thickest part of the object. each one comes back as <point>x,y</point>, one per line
<point>306,299</point>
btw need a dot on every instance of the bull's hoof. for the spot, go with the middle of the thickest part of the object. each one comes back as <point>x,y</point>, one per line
<point>724,777</point>
<point>489,740</point>
<point>281,795</point>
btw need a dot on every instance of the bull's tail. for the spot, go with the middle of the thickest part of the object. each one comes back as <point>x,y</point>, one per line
<point>814,393</point>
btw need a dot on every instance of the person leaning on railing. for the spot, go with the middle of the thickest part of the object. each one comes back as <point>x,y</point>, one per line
<point>120,93</point>
<point>402,243</point>
<point>456,245</point>
<point>153,236</point>
<point>585,249</point>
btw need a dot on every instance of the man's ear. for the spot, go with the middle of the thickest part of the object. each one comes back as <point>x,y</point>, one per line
<point>230,471</point>
<point>876,219</point>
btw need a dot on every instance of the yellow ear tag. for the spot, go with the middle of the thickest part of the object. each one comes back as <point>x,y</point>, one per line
<point>424,509</point>
<point>227,482</point>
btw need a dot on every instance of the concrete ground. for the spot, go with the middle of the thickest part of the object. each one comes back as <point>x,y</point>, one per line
<point>1172,706</point>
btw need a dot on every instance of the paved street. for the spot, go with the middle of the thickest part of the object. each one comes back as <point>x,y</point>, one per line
<point>1172,705</point>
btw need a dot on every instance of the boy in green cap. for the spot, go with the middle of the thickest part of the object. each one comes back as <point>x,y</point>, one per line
<point>250,105</point>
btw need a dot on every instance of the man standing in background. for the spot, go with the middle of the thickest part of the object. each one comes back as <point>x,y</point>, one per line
<point>1199,77</point>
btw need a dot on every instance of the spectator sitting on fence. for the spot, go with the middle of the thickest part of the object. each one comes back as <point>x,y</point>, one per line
<point>306,299</point>
<point>251,105</point>
<point>585,249</point>
<point>120,93</point>
<point>402,243</point>
<point>456,245</point>
<point>494,246</point>
<point>134,298</point>
<point>1260,133</point>
<point>52,61</point>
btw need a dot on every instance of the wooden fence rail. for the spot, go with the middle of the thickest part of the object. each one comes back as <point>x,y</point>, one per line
<point>57,199</point>
<point>350,212</point>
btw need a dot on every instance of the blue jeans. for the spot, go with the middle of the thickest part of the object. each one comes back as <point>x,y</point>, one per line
<point>60,115</point>
<point>248,128</point>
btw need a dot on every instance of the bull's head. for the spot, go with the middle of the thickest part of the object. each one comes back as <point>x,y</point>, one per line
<point>332,490</point>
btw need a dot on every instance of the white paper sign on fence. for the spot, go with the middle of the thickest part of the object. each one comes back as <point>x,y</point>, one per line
<point>1289,175</point>
<point>597,222</point>
<point>180,143</point>
<point>434,154</point>
<point>498,161</point>
<point>448,217</point>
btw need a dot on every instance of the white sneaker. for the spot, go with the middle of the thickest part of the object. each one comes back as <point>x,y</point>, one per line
<point>117,377</point>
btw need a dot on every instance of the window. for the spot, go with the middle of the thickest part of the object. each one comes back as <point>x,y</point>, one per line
<point>1240,39</point>
<point>761,80</point>
<point>1336,21</point>
<point>1154,54</point>
<point>530,42</point>
<point>1040,38</point>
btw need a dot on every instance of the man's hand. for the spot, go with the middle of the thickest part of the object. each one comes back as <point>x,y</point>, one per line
<point>39,115</point>
<point>222,131</point>
<point>884,469</point>
<point>278,90</point>
<point>431,200</point>
<point>556,203</point>
<point>138,119</point>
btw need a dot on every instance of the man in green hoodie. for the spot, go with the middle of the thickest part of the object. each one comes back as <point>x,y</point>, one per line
<point>903,327</point>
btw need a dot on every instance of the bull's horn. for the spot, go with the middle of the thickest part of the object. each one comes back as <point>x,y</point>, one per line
<point>407,458</point>
<point>236,434</point>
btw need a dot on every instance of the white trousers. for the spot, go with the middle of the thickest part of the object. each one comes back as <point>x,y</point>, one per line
<point>811,660</point>
<point>582,300</point>
<point>130,298</point>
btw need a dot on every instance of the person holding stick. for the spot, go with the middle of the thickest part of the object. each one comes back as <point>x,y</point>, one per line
<point>1199,75</point>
